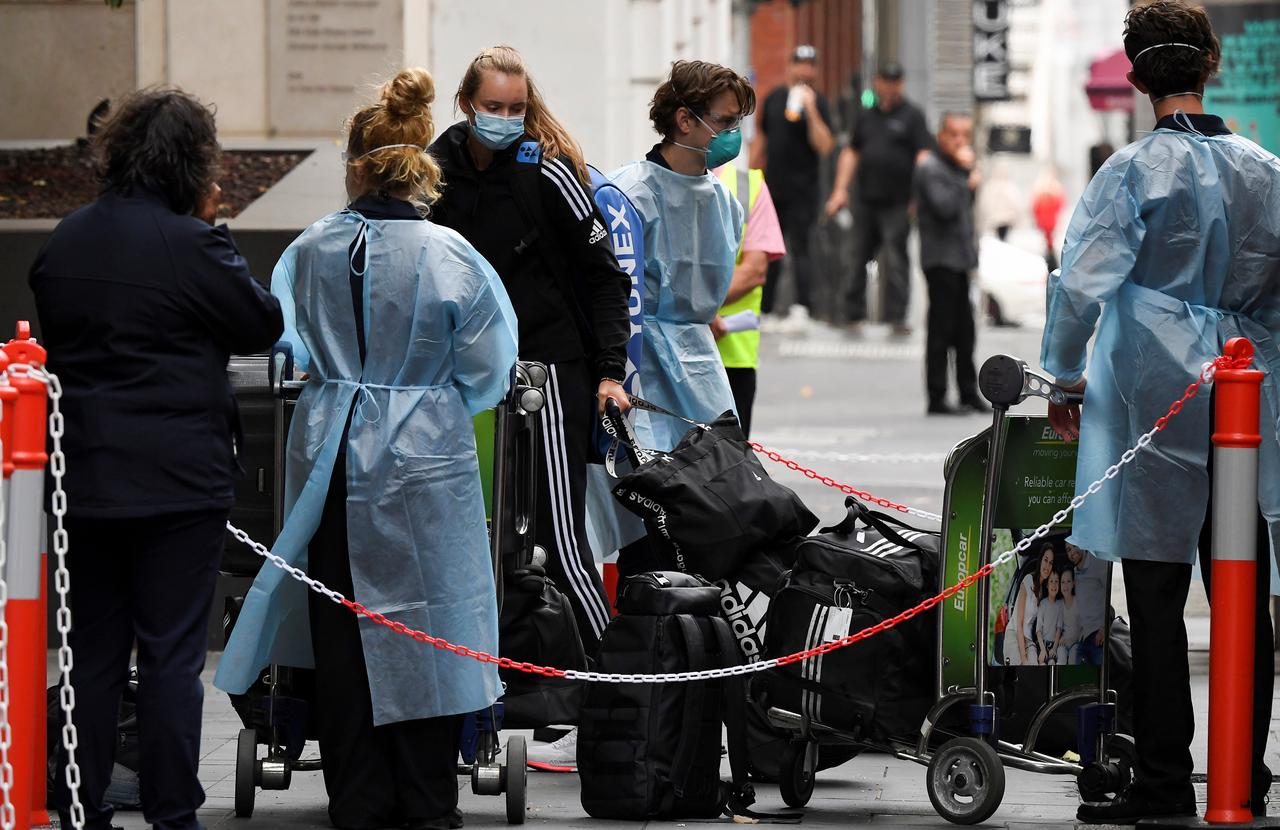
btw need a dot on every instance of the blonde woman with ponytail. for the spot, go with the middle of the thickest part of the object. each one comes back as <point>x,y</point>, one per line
<point>515,186</point>
<point>405,332</point>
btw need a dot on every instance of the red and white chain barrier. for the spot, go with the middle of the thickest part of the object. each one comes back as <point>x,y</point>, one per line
<point>1206,376</point>
<point>843,488</point>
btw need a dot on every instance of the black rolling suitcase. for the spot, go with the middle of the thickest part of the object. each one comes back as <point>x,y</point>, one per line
<point>867,569</point>
<point>536,624</point>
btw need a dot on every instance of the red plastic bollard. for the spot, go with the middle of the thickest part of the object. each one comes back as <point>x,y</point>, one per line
<point>1234,578</point>
<point>25,570</point>
<point>611,580</point>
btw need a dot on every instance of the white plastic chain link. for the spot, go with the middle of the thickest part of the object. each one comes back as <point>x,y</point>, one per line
<point>62,584</point>
<point>1206,376</point>
<point>7,816</point>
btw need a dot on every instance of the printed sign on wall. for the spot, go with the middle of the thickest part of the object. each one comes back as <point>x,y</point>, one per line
<point>991,50</point>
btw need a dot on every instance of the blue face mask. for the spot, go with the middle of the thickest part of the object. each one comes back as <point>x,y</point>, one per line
<point>495,131</point>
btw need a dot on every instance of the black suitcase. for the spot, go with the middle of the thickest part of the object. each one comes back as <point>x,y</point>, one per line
<point>650,751</point>
<point>255,509</point>
<point>867,569</point>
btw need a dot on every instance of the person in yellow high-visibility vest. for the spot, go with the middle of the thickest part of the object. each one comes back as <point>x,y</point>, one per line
<point>737,326</point>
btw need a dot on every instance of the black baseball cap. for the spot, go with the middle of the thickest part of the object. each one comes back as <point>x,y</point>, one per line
<point>805,53</point>
<point>891,71</point>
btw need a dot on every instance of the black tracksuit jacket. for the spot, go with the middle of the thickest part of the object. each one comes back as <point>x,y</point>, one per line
<point>558,267</point>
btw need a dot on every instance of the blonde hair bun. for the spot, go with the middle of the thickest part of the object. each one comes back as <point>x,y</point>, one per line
<point>401,116</point>
<point>409,94</point>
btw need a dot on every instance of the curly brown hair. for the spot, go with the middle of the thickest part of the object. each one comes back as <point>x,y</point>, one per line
<point>1173,26</point>
<point>401,115</point>
<point>693,85</point>
<point>161,140</point>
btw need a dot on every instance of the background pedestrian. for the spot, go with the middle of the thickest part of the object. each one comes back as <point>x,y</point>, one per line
<point>945,183</point>
<point>888,139</point>
<point>795,135</point>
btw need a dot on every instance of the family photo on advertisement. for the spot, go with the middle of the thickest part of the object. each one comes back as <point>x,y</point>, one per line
<point>1052,612</point>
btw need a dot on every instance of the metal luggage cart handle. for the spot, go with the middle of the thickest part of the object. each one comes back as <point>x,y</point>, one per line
<point>1006,381</point>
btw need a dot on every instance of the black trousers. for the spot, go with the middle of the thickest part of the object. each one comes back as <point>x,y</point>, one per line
<point>1163,717</point>
<point>376,776</point>
<point>950,331</point>
<point>796,219</point>
<point>568,423</point>
<point>148,580</point>
<point>743,384</point>
<point>876,227</point>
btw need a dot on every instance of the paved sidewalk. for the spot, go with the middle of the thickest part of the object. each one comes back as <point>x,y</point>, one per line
<point>870,788</point>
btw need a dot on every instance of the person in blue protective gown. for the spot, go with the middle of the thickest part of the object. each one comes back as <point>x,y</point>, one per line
<point>405,332</point>
<point>1176,247</point>
<point>692,227</point>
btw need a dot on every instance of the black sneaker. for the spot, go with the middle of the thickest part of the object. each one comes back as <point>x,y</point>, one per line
<point>942,408</point>
<point>452,821</point>
<point>1134,806</point>
<point>1259,795</point>
<point>974,404</point>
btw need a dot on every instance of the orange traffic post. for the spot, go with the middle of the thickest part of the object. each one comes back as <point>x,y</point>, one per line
<point>8,395</point>
<point>24,573</point>
<point>1234,579</point>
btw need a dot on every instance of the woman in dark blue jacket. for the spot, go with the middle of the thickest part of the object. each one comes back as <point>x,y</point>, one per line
<point>141,301</point>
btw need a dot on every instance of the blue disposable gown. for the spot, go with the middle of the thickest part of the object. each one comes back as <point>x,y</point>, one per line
<point>1176,244</point>
<point>441,344</point>
<point>692,227</point>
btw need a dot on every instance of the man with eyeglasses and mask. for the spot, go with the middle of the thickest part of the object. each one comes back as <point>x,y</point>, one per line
<point>692,227</point>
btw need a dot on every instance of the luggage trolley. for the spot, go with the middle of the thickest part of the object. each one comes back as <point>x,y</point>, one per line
<point>1013,475</point>
<point>275,710</point>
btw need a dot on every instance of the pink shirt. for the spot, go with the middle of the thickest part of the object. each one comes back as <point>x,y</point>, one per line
<point>763,231</point>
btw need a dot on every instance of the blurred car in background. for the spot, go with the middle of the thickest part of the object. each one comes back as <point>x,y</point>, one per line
<point>1011,284</point>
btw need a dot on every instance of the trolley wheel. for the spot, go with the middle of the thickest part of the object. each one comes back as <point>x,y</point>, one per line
<point>1112,775</point>
<point>246,772</point>
<point>796,773</point>
<point>517,778</point>
<point>965,781</point>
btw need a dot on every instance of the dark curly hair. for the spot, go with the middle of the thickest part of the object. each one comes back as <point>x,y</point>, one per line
<point>1171,69</point>
<point>693,84</point>
<point>162,140</point>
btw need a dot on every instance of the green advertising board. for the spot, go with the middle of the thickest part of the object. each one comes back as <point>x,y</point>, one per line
<point>1036,479</point>
<point>1246,92</point>
<point>484,426</point>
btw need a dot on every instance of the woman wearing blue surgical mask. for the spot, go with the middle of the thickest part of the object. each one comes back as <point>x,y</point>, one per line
<point>692,227</point>
<point>405,332</point>
<point>515,187</point>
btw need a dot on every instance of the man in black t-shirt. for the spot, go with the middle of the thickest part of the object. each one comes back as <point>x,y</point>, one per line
<point>795,133</point>
<point>887,140</point>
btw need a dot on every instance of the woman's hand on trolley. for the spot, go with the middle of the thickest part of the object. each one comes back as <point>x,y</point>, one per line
<point>1065,418</point>
<point>612,389</point>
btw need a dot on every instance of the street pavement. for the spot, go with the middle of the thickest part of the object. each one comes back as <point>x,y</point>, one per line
<point>854,409</point>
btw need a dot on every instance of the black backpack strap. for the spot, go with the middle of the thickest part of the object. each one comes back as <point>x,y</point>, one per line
<point>618,428</point>
<point>741,793</point>
<point>887,526</point>
<point>695,698</point>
